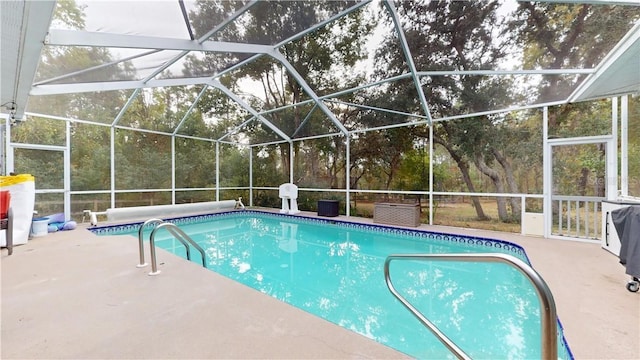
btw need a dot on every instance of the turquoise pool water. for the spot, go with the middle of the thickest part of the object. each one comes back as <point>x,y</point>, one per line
<point>334,269</point>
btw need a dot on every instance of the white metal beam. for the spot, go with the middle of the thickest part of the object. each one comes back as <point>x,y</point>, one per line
<point>278,56</point>
<point>402,113</point>
<point>188,112</point>
<point>408,57</point>
<point>218,85</point>
<point>108,40</point>
<point>97,67</point>
<point>130,100</point>
<point>201,40</point>
<point>506,72</point>
<point>57,89</point>
<point>237,128</point>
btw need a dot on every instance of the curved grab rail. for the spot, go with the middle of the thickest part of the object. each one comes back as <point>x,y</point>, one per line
<point>177,232</point>
<point>548,316</point>
<point>180,236</point>
<point>141,240</point>
<point>152,245</point>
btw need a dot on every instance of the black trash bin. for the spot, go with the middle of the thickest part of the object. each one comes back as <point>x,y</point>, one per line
<point>328,208</point>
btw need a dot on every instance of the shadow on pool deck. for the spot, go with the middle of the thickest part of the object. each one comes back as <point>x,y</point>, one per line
<point>74,295</point>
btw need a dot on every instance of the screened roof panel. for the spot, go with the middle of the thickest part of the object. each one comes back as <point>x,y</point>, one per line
<point>202,64</point>
<point>253,132</point>
<point>266,84</point>
<point>214,16</point>
<point>575,47</point>
<point>395,100</point>
<point>452,96</point>
<point>152,18</point>
<point>99,107</point>
<point>97,64</point>
<point>524,35</point>
<point>268,22</point>
<point>159,109</point>
<point>335,56</point>
<point>316,123</point>
<point>134,114</point>
<point>301,121</point>
<point>357,111</point>
<point>221,115</point>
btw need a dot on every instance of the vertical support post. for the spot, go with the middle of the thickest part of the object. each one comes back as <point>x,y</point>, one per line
<point>251,175</point>
<point>347,171</point>
<point>546,175</point>
<point>611,182</point>
<point>291,161</point>
<point>595,221</point>
<point>523,204</point>
<point>560,218</point>
<point>624,145</point>
<point>431,174</point>
<point>586,218</point>
<point>67,172</point>
<point>568,217</point>
<point>113,166</point>
<point>173,169</point>
<point>578,218</point>
<point>217,170</point>
<point>3,143</point>
<point>8,166</point>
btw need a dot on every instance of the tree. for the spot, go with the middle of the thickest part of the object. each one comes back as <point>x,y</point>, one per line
<point>317,57</point>
<point>572,36</point>
<point>445,35</point>
<point>556,36</point>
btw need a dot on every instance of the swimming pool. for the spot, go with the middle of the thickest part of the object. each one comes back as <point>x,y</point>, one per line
<point>334,269</point>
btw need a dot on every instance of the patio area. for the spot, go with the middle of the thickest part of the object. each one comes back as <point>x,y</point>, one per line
<point>75,295</point>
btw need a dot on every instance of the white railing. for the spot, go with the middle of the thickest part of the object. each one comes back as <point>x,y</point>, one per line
<point>577,217</point>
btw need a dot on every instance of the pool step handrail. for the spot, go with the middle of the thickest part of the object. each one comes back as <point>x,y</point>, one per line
<point>178,233</point>
<point>548,315</point>
<point>155,222</point>
<point>152,247</point>
<point>174,230</point>
<point>180,236</point>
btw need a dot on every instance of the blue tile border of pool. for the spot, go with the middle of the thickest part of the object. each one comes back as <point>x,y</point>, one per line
<point>514,249</point>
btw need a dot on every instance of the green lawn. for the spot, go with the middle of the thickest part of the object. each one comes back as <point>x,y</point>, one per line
<point>454,214</point>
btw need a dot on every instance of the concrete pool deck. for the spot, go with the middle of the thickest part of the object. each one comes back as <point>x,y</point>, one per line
<point>74,295</point>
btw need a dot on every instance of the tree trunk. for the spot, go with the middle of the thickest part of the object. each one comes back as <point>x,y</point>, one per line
<point>497,182</point>
<point>464,170</point>
<point>582,183</point>
<point>511,183</point>
<point>284,157</point>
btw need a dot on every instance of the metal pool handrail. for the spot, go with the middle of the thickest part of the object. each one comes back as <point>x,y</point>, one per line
<point>548,316</point>
<point>141,239</point>
<point>178,234</point>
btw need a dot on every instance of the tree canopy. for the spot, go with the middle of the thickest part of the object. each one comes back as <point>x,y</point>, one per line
<point>290,92</point>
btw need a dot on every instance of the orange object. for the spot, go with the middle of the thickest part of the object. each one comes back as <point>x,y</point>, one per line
<point>5,200</point>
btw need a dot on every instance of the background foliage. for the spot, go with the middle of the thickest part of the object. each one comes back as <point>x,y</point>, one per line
<point>497,153</point>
